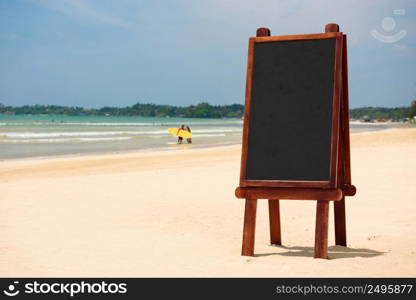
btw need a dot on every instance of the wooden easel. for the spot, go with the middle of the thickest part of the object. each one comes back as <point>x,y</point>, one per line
<point>322,195</point>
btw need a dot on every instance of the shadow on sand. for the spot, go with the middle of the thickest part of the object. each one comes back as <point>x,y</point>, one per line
<point>334,252</point>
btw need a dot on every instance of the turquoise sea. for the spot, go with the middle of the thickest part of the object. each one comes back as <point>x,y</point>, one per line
<point>37,136</point>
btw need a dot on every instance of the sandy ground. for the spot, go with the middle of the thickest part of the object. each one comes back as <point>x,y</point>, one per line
<point>175,214</point>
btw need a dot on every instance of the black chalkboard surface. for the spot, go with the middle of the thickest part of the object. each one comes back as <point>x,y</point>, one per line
<point>289,132</point>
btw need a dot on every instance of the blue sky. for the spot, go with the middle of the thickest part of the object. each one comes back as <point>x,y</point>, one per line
<point>115,53</point>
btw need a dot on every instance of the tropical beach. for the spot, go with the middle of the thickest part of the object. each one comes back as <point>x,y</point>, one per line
<point>173,214</point>
<point>143,142</point>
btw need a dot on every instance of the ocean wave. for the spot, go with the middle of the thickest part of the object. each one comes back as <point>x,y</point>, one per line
<point>64,140</point>
<point>105,124</point>
<point>31,135</point>
<point>24,135</point>
<point>76,137</point>
<point>215,130</point>
<point>105,139</point>
<point>90,139</point>
<point>207,135</point>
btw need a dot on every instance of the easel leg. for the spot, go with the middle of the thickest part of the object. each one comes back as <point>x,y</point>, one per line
<point>274,218</point>
<point>340,226</point>
<point>249,227</point>
<point>321,230</point>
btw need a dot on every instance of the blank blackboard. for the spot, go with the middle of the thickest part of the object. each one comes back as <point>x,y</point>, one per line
<point>290,118</point>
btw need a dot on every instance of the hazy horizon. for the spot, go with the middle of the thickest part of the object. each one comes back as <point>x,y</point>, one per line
<point>178,105</point>
<point>117,53</point>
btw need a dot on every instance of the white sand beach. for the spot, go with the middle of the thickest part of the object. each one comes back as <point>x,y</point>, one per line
<point>174,213</point>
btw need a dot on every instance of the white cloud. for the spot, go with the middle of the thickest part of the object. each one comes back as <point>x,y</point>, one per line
<point>12,36</point>
<point>355,17</point>
<point>404,48</point>
<point>81,9</point>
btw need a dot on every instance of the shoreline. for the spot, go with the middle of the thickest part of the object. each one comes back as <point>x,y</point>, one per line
<point>133,152</point>
<point>18,169</point>
<point>186,147</point>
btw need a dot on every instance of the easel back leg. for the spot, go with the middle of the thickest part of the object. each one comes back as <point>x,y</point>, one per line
<point>274,219</point>
<point>340,223</point>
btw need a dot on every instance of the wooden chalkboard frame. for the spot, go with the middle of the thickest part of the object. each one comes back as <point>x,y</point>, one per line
<point>323,195</point>
<point>333,173</point>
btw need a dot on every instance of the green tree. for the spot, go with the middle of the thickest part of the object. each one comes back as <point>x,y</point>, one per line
<point>412,113</point>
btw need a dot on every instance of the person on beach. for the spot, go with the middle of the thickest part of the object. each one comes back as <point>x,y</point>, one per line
<point>189,141</point>
<point>180,139</point>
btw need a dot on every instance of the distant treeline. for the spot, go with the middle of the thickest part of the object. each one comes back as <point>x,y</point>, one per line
<point>376,113</point>
<point>202,110</point>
